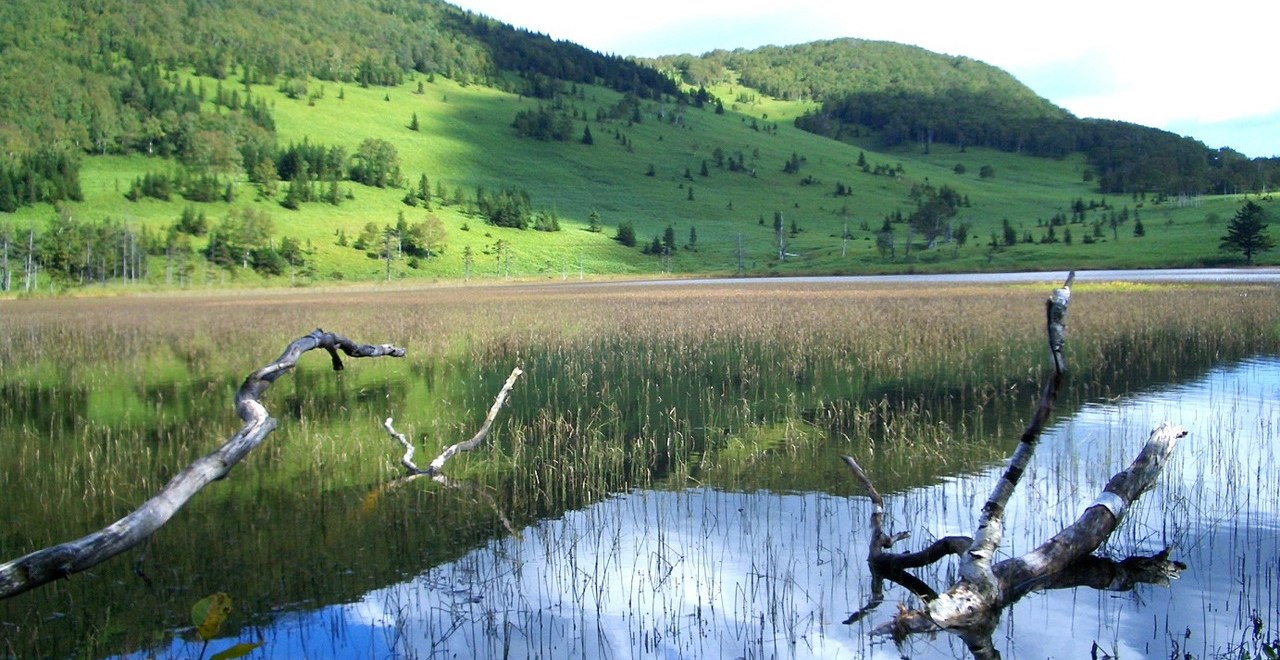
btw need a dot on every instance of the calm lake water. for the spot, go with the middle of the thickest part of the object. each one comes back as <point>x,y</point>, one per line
<point>707,573</point>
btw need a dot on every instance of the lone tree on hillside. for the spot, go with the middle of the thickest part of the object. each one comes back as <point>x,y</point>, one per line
<point>1247,233</point>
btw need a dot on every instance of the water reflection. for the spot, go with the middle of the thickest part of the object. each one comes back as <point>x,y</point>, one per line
<point>708,573</point>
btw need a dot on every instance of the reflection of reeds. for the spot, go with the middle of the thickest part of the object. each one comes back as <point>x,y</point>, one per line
<point>756,386</point>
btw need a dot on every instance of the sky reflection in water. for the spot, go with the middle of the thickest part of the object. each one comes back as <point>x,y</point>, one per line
<point>712,574</point>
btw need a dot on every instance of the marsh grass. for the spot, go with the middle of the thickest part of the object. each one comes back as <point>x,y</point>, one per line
<point>723,387</point>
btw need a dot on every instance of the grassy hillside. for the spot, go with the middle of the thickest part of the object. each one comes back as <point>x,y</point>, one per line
<point>465,140</point>
<point>715,177</point>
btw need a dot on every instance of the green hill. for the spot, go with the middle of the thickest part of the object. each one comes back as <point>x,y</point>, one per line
<point>200,144</point>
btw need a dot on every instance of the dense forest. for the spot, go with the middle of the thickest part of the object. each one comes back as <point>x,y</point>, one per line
<point>825,70</point>
<point>1125,158</point>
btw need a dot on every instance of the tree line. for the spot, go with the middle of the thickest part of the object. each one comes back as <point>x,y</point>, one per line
<point>70,251</point>
<point>1123,157</point>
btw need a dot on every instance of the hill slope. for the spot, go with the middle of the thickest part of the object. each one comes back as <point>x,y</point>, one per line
<point>825,70</point>
<point>315,172</point>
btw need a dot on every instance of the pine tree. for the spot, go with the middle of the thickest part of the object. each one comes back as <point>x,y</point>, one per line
<point>1247,233</point>
<point>424,192</point>
<point>626,234</point>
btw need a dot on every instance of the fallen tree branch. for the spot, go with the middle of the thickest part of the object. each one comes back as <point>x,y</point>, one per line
<point>44,566</point>
<point>480,435</point>
<point>893,566</point>
<point>412,471</point>
<point>1098,520</point>
<point>1062,561</point>
<point>433,470</point>
<point>976,568</point>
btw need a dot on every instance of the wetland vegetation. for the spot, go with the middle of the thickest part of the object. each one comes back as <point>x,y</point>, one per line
<point>664,480</point>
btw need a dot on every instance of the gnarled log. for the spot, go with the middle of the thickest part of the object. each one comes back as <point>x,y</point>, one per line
<point>971,607</point>
<point>1055,562</point>
<point>43,566</point>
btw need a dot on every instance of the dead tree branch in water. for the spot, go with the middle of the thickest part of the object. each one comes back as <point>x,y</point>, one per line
<point>433,470</point>
<point>412,471</point>
<point>971,607</point>
<point>893,566</point>
<point>49,564</point>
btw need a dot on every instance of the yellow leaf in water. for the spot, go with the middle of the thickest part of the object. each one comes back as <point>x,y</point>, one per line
<point>209,613</point>
<point>238,651</point>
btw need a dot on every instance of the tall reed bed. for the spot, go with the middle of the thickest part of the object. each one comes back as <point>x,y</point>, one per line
<point>125,391</point>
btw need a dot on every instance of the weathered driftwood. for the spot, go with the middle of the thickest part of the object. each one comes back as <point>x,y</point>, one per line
<point>971,607</point>
<point>893,566</point>
<point>43,566</point>
<point>433,470</point>
<point>1063,561</point>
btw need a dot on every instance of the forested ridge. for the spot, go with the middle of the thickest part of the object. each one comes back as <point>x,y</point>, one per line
<point>92,77</point>
<point>903,95</point>
<point>824,70</point>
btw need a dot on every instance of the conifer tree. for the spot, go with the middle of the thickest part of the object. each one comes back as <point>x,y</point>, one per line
<point>1247,233</point>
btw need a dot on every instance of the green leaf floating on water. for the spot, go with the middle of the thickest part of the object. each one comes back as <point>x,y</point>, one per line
<point>208,614</point>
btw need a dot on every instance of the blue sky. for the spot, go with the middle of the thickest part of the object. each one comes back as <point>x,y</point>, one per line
<point>1205,69</point>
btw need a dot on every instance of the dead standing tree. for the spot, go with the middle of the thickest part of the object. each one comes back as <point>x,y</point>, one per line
<point>49,564</point>
<point>971,607</point>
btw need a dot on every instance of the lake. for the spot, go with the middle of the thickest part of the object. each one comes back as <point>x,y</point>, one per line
<point>664,483</point>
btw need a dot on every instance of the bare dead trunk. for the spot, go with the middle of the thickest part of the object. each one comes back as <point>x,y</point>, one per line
<point>43,566</point>
<point>971,607</point>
